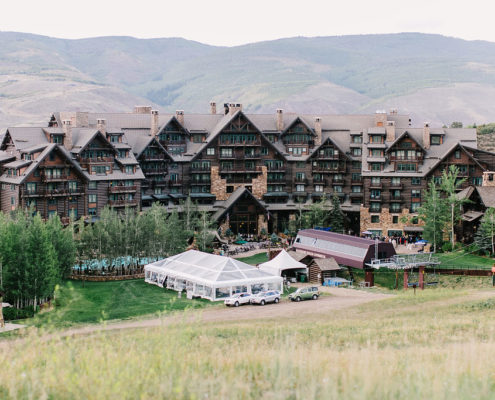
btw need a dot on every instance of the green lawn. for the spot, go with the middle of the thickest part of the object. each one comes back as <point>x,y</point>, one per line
<point>256,259</point>
<point>102,301</point>
<point>461,259</point>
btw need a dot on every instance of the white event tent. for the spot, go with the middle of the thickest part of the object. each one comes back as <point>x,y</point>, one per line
<point>282,262</point>
<point>209,276</point>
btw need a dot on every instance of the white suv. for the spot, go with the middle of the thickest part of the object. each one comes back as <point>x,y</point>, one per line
<point>270,296</point>
<point>237,299</point>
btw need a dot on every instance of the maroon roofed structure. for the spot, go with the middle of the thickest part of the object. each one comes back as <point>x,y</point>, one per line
<point>347,250</point>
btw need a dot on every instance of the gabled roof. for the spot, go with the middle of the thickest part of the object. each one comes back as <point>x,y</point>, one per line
<point>24,137</point>
<point>400,137</point>
<point>172,118</point>
<point>296,120</point>
<point>487,195</point>
<point>222,124</point>
<point>233,199</point>
<point>331,141</point>
<point>35,163</point>
<point>82,137</point>
<point>449,152</point>
<point>327,264</point>
<point>139,142</point>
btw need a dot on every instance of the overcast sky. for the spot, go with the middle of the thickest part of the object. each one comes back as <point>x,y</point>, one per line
<point>232,22</point>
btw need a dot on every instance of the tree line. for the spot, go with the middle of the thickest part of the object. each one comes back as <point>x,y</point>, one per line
<point>34,256</point>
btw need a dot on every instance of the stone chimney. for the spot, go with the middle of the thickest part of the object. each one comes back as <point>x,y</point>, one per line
<point>67,127</point>
<point>380,118</point>
<point>394,111</point>
<point>390,130</point>
<point>179,114</point>
<point>154,122</point>
<point>82,120</point>
<point>142,109</point>
<point>280,119</point>
<point>318,131</point>
<point>213,107</point>
<point>426,135</point>
<point>101,125</point>
<point>234,107</point>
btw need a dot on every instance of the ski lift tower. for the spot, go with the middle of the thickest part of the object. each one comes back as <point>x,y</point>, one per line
<point>406,263</point>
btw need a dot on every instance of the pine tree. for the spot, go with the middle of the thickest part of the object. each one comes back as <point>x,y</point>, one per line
<point>336,216</point>
<point>485,236</point>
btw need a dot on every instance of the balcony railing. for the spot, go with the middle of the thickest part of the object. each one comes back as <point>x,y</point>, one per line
<point>153,157</point>
<point>175,183</point>
<point>397,198</point>
<point>406,158</point>
<point>252,156</point>
<point>201,182</point>
<point>240,143</point>
<point>376,185</point>
<point>122,203</point>
<point>154,171</point>
<point>395,185</point>
<point>337,181</point>
<point>239,169</point>
<point>329,169</point>
<point>301,180</point>
<point>327,156</point>
<point>276,168</point>
<point>200,168</point>
<point>91,160</point>
<point>52,192</point>
<point>122,189</point>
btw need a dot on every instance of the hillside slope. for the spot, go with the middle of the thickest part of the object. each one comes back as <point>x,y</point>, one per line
<point>436,78</point>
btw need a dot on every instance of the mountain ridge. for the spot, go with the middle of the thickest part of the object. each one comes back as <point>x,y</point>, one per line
<point>435,78</point>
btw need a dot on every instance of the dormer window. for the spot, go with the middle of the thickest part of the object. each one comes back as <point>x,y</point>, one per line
<point>58,139</point>
<point>27,157</point>
<point>198,138</point>
<point>115,139</point>
<point>436,140</point>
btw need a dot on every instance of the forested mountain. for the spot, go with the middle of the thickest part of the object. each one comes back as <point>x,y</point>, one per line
<point>436,78</point>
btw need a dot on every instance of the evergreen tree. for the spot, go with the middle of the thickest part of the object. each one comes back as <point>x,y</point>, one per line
<point>317,214</point>
<point>485,236</point>
<point>335,216</point>
<point>205,232</point>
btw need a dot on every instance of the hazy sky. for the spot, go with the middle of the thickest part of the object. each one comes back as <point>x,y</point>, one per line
<point>233,22</point>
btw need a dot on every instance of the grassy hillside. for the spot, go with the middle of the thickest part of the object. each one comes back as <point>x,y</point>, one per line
<point>436,78</point>
<point>436,344</point>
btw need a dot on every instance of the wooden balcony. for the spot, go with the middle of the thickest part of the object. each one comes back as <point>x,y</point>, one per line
<point>122,189</point>
<point>322,169</point>
<point>337,181</point>
<point>153,157</point>
<point>241,169</point>
<point>122,203</point>
<point>44,192</point>
<point>397,199</point>
<point>276,168</point>
<point>243,143</point>
<point>406,158</point>
<point>96,160</point>
<point>395,185</point>
<point>327,156</point>
<point>155,171</point>
<point>357,181</point>
<point>376,185</point>
<point>301,180</point>
<point>201,182</point>
<point>175,183</point>
<point>200,168</point>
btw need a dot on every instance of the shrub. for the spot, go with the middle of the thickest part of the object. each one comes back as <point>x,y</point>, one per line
<point>446,247</point>
<point>12,313</point>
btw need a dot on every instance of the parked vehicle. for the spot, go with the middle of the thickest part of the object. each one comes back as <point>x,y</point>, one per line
<point>238,299</point>
<point>270,296</point>
<point>305,293</point>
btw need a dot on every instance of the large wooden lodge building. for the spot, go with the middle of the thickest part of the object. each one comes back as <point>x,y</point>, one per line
<point>251,171</point>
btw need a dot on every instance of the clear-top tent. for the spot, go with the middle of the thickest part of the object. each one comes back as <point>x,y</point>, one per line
<point>209,276</point>
<point>281,263</point>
